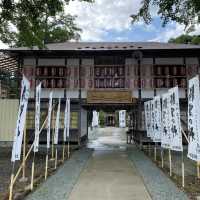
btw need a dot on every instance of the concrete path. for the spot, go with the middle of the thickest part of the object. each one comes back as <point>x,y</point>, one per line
<point>59,185</point>
<point>112,171</point>
<point>109,175</point>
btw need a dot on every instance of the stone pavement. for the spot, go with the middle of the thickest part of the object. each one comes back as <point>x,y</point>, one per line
<point>158,184</point>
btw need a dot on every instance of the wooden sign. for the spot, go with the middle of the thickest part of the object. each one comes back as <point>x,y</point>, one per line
<point>109,96</point>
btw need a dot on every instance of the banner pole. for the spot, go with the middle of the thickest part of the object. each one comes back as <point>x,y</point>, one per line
<point>63,151</point>
<point>183,170</point>
<point>27,155</point>
<point>68,148</point>
<point>46,166</point>
<point>32,172</point>
<point>56,157</point>
<point>162,157</point>
<point>11,181</point>
<point>24,154</point>
<point>170,163</point>
<point>52,139</point>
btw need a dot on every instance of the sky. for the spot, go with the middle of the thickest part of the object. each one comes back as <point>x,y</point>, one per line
<point>109,20</point>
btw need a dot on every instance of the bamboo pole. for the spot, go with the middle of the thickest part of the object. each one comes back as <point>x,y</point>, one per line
<point>52,137</point>
<point>27,155</point>
<point>63,151</point>
<point>162,157</point>
<point>12,182</point>
<point>185,135</point>
<point>21,167</point>
<point>170,163</point>
<point>183,170</point>
<point>155,152</point>
<point>24,154</point>
<point>32,173</point>
<point>56,157</point>
<point>68,149</point>
<point>11,187</point>
<point>46,166</point>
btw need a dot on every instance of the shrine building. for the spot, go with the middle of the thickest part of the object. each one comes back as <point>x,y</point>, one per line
<point>105,75</point>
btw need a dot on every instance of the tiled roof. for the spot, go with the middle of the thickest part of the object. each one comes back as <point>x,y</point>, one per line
<point>7,63</point>
<point>101,46</point>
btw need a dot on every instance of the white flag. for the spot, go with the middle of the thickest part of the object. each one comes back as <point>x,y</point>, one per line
<point>69,117</point>
<point>122,118</point>
<point>157,121</point>
<point>152,128</point>
<point>175,121</point>
<point>49,120</point>
<point>37,118</point>
<point>17,143</point>
<point>193,118</point>
<point>95,120</point>
<point>57,124</point>
<point>147,109</point>
<point>166,133</point>
<point>66,120</point>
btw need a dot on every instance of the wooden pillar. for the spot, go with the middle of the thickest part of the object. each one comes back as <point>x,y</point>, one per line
<point>139,124</point>
<point>80,102</point>
<point>154,88</point>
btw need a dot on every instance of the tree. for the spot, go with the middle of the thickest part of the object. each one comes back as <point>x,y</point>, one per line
<point>36,22</point>
<point>185,12</point>
<point>186,39</point>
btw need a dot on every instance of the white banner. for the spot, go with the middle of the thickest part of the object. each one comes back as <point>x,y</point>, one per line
<point>95,119</point>
<point>122,118</point>
<point>66,120</point>
<point>147,110</point>
<point>69,117</point>
<point>193,118</point>
<point>17,143</point>
<point>37,118</point>
<point>175,121</point>
<point>157,119</point>
<point>152,119</point>
<point>49,120</point>
<point>57,126</point>
<point>166,133</point>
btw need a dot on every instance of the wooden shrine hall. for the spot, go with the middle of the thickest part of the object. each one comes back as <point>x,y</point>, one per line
<point>105,75</point>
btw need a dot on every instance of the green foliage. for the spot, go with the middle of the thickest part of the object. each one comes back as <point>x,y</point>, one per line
<point>35,23</point>
<point>185,12</point>
<point>11,81</point>
<point>186,39</point>
<point>101,118</point>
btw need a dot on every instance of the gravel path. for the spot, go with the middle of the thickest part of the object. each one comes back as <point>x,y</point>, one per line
<point>59,185</point>
<point>157,183</point>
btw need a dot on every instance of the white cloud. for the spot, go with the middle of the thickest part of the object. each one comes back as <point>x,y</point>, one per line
<point>174,30</point>
<point>103,16</point>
